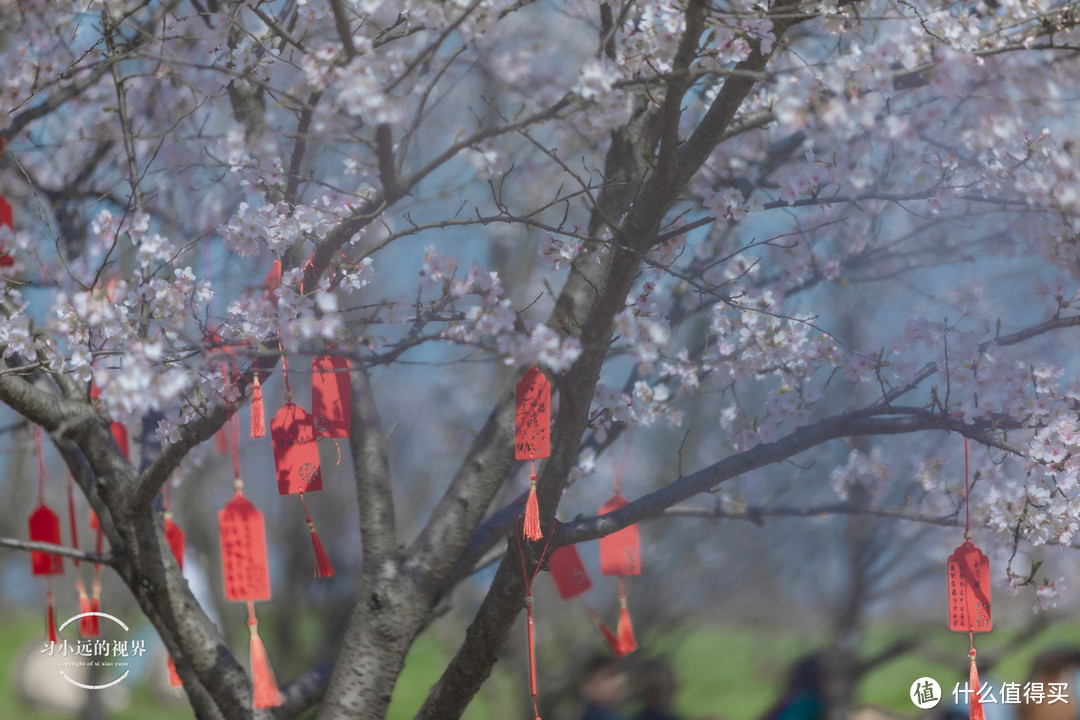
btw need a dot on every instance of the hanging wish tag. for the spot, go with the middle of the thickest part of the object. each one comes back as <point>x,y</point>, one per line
<point>45,527</point>
<point>331,396</point>
<point>174,536</point>
<point>296,456</point>
<point>969,589</point>
<point>568,572</point>
<point>620,552</point>
<point>243,551</point>
<point>6,260</point>
<point>532,427</point>
<point>273,282</point>
<point>119,430</point>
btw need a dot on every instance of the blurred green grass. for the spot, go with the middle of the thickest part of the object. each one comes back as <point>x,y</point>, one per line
<point>15,634</point>
<point>733,672</point>
<point>424,664</point>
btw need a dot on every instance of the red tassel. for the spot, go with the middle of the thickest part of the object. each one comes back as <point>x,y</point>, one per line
<point>626,642</point>
<point>262,676</point>
<point>85,623</point>
<point>532,528</point>
<point>258,416</point>
<point>50,619</point>
<point>607,633</point>
<point>93,627</point>
<point>975,708</point>
<point>323,568</point>
<point>532,650</point>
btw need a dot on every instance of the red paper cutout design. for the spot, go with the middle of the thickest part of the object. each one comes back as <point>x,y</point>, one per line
<point>532,426</point>
<point>620,552</point>
<point>331,395</point>
<point>45,527</point>
<point>296,456</point>
<point>569,573</point>
<point>969,589</point>
<point>243,551</point>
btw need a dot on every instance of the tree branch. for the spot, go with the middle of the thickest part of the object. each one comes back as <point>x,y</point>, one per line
<point>58,98</point>
<point>62,550</point>
<point>374,482</point>
<point>883,421</point>
<point>303,692</point>
<point>341,22</point>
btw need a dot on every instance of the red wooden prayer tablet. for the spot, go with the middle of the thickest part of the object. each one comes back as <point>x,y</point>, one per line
<point>45,527</point>
<point>174,536</point>
<point>5,220</point>
<point>620,552</point>
<point>532,420</point>
<point>119,430</point>
<point>331,395</point>
<point>296,455</point>
<point>969,589</point>
<point>243,551</point>
<point>568,572</point>
<point>273,281</point>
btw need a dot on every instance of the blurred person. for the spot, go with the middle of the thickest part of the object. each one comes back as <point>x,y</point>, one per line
<point>1053,667</point>
<point>603,687</point>
<point>804,695</point>
<point>655,690</point>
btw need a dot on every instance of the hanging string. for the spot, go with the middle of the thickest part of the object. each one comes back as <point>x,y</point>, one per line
<point>71,522</point>
<point>967,494</point>
<point>40,464</point>
<point>285,372</point>
<point>528,610</point>
<point>975,708</point>
<point>233,434</point>
<point>86,624</point>
<point>50,613</point>
<point>617,467</point>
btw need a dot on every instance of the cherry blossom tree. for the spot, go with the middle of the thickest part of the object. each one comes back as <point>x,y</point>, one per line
<point>779,223</point>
